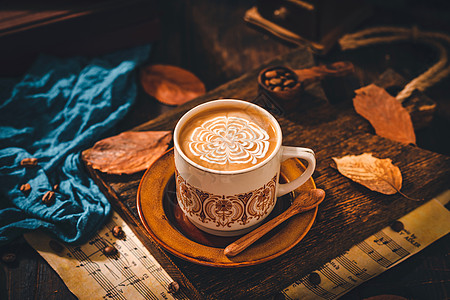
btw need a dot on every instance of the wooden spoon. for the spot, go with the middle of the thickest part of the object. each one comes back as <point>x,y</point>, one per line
<point>304,202</point>
<point>299,78</point>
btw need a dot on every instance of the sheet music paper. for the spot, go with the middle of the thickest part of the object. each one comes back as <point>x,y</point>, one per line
<point>133,273</point>
<point>376,254</point>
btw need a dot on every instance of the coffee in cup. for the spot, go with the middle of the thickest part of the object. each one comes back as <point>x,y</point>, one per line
<point>228,138</point>
<point>227,159</point>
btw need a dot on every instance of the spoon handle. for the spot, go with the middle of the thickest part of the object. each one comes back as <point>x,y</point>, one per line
<point>241,244</point>
<point>303,202</point>
<point>337,69</point>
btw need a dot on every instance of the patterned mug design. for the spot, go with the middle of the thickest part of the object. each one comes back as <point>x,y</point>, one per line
<point>224,210</point>
<point>223,140</point>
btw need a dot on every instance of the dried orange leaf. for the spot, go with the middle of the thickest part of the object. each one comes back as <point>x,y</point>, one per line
<point>171,85</point>
<point>379,175</point>
<point>386,114</point>
<point>128,152</point>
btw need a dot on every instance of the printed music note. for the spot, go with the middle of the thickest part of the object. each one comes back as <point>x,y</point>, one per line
<point>374,255</point>
<point>90,274</point>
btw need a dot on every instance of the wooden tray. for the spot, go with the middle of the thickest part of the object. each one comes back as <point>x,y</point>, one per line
<point>350,214</point>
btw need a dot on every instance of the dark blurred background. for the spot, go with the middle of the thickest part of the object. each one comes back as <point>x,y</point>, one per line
<point>211,39</point>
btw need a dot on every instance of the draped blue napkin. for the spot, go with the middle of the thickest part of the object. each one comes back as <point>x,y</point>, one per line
<point>58,109</point>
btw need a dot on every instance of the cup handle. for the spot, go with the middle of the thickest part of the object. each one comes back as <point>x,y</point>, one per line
<point>304,153</point>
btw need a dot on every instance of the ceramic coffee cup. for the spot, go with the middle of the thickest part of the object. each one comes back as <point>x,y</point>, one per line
<point>227,159</point>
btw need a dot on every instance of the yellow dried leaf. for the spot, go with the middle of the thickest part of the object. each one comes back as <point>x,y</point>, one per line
<point>379,175</point>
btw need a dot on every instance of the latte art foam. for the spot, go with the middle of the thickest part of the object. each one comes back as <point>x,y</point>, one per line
<point>223,140</point>
<point>228,138</point>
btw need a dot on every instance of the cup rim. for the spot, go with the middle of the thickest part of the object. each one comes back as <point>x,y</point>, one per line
<point>211,103</point>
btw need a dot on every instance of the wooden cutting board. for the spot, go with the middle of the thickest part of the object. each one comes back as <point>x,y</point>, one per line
<point>349,214</point>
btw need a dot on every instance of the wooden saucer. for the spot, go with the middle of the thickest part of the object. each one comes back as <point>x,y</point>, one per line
<point>163,219</point>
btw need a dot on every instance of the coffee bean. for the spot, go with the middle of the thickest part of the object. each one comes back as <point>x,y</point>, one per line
<point>25,188</point>
<point>109,250</point>
<point>397,226</point>
<point>173,287</point>
<point>48,197</point>
<point>278,80</point>
<point>275,81</point>
<point>118,232</point>
<point>277,89</point>
<point>29,162</point>
<point>57,247</point>
<point>314,278</point>
<point>8,258</point>
<point>270,74</point>
<point>289,82</point>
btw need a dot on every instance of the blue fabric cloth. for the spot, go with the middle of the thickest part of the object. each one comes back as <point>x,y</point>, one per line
<point>58,109</point>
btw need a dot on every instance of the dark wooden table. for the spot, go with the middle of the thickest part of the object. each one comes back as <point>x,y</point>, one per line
<point>420,277</point>
<point>350,214</point>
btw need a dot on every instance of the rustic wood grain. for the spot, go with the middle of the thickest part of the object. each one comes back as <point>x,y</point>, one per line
<point>36,275</point>
<point>69,28</point>
<point>350,212</point>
